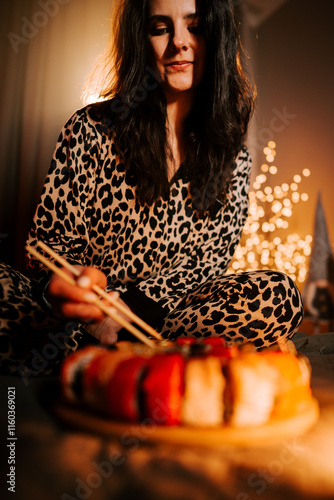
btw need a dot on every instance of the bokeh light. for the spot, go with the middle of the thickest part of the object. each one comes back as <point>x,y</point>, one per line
<point>270,210</point>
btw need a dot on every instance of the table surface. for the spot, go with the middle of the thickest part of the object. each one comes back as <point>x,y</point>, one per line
<point>53,461</point>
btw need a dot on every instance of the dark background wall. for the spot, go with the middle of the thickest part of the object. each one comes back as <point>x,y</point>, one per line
<point>292,54</point>
<point>47,48</point>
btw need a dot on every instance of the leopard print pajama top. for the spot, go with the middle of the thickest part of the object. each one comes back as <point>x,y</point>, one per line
<point>153,255</point>
<point>168,264</point>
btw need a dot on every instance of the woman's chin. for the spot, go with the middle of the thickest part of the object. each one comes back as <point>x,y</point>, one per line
<point>179,89</point>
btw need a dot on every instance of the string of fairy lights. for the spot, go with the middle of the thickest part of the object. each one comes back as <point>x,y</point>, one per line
<point>265,242</point>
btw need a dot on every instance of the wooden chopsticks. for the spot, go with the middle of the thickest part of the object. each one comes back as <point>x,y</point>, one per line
<point>100,293</point>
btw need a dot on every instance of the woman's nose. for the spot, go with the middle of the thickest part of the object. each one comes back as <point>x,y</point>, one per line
<point>180,39</point>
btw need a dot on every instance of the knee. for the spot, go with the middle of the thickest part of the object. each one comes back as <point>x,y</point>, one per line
<point>282,282</point>
<point>286,294</point>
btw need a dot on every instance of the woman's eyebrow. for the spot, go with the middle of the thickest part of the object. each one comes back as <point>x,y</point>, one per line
<point>163,18</point>
<point>194,15</point>
<point>159,17</point>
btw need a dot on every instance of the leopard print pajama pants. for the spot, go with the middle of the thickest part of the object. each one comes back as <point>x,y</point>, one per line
<point>259,307</point>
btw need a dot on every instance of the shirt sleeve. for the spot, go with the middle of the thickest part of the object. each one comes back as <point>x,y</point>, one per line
<point>62,219</point>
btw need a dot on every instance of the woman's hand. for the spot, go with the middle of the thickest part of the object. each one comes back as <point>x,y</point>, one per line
<point>76,302</point>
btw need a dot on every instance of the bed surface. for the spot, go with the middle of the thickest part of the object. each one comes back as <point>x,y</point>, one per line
<point>54,461</point>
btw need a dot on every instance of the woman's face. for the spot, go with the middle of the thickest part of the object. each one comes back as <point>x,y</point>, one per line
<point>177,42</point>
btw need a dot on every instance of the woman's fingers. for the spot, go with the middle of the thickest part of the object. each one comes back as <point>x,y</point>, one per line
<point>81,290</point>
<point>90,276</point>
<point>107,330</point>
<point>76,301</point>
<point>82,312</point>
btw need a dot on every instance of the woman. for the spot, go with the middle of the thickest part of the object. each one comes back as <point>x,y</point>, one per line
<point>147,191</point>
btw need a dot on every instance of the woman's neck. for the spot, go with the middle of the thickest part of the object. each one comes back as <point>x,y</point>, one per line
<point>178,109</point>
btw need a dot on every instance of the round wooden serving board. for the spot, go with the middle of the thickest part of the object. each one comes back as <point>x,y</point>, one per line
<point>273,432</point>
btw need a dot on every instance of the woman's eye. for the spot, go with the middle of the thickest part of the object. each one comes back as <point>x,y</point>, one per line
<point>196,29</point>
<point>158,31</point>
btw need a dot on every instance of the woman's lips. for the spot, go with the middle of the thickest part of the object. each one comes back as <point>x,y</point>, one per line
<point>179,65</point>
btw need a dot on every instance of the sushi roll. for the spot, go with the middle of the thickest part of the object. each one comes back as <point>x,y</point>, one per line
<point>251,390</point>
<point>202,383</point>
<point>217,346</point>
<point>293,391</point>
<point>163,387</point>
<point>123,394</point>
<point>72,371</point>
<point>202,404</point>
<point>97,375</point>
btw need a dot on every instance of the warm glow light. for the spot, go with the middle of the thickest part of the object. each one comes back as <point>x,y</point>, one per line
<point>286,212</point>
<point>251,257</point>
<point>270,210</point>
<point>254,227</point>
<point>261,178</point>
<point>276,207</point>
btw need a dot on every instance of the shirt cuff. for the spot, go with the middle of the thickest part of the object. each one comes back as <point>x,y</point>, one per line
<point>146,308</point>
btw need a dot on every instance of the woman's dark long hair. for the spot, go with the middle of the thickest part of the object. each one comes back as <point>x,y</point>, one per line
<point>216,127</point>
